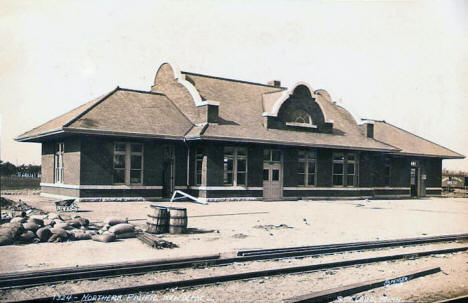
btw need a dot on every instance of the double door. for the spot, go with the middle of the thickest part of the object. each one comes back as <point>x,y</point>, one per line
<point>272,183</point>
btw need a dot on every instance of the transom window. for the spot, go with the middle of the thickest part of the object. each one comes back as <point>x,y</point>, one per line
<point>58,162</point>
<point>307,168</point>
<point>301,116</point>
<point>344,169</point>
<point>128,163</point>
<point>235,166</point>
<point>199,155</point>
<point>271,155</point>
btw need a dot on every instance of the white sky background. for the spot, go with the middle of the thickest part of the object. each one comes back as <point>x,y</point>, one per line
<point>402,61</point>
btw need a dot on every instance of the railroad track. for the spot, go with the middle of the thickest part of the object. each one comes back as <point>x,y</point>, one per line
<point>34,278</point>
<point>120,292</point>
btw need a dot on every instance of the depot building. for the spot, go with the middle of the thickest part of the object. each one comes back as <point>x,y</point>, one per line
<point>223,139</point>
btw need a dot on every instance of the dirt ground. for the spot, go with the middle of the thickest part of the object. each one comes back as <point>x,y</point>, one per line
<point>274,289</point>
<point>225,227</point>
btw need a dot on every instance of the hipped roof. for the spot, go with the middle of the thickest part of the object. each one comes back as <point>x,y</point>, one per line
<point>242,106</point>
<point>121,112</point>
<point>409,143</point>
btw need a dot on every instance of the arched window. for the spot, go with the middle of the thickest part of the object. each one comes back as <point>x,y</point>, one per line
<point>301,116</point>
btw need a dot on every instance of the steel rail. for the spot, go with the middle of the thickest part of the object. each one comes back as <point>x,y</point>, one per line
<point>34,278</point>
<point>88,296</point>
<point>395,242</point>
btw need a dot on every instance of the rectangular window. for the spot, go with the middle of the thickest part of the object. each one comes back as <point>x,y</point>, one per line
<point>271,155</point>
<point>58,162</point>
<point>199,155</point>
<point>128,163</point>
<point>235,166</point>
<point>307,168</point>
<point>344,169</point>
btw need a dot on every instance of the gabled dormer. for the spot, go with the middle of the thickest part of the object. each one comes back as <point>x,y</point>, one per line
<point>295,109</point>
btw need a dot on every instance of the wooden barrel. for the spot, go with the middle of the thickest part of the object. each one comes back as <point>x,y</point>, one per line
<point>157,223</point>
<point>177,220</point>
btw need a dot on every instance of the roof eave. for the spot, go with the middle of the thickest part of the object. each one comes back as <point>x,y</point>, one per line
<point>84,131</point>
<point>289,143</point>
<point>38,137</point>
<point>430,155</point>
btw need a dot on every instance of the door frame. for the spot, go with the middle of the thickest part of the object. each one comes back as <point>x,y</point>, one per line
<point>281,182</point>
<point>172,160</point>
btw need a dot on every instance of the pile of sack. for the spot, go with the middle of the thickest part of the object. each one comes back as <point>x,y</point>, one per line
<point>23,229</point>
<point>115,228</point>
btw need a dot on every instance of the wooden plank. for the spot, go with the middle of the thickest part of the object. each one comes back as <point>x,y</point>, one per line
<point>347,290</point>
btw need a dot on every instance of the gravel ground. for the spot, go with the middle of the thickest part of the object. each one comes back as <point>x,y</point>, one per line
<point>226,227</point>
<point>379,269</point>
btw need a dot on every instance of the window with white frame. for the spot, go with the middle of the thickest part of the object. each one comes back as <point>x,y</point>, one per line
<point>199,155</point>
<point>128,163</point>
<point>235,166</point>
<point>58,162</point>
<point>344,169</point>
<point>271,155</point>
<point>307,168</point>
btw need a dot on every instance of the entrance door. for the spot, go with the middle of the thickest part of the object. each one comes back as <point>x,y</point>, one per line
<point>168,171</point>
<point>272,179</point>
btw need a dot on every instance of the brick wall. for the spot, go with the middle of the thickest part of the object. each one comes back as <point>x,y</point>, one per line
<point>47,162</point>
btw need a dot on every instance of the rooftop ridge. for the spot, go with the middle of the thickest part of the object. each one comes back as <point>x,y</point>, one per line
<point>139,91</point>
<point>233,80</point>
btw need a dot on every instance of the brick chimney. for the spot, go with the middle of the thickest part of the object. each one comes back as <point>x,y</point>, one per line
<point>369,130</point>
<point>275,83</point>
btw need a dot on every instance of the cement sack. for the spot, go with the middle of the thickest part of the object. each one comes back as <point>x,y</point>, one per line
<point>64,225</point>
<point>59,231</point>
<point>18,220</point>
<point>122,228</point>
<point>37,221</point>
<point>125,235</point>
<point>104,238</point>
<point>27,237</point>
<point>82,236</point>
<point>115,221</point>
<point>56,238</point>
<point>31,226</point>
<point>44,234</point>
<point>5,240</point>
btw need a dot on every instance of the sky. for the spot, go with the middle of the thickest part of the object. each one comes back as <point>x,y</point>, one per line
<point>405,62</point>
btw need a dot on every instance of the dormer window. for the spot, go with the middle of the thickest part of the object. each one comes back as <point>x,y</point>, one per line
<point>301,116</point>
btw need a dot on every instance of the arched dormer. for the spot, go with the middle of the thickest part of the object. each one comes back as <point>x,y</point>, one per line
<point>296,109</point>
